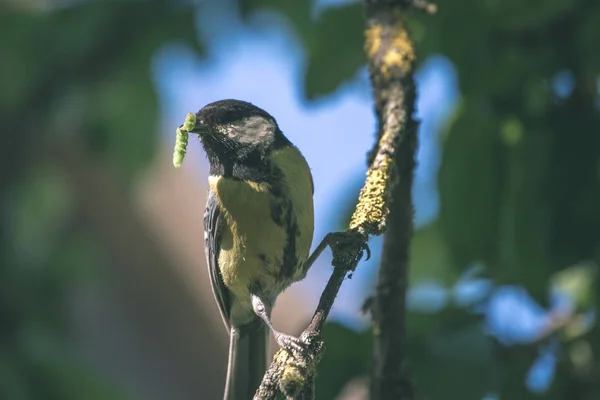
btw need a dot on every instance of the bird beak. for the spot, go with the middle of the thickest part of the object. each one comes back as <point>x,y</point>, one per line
<point>200,128</point>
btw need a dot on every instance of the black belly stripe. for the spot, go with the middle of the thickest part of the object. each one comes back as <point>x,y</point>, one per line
<point>279,202</point>
<point>289,253</point>
<point>282,214</point>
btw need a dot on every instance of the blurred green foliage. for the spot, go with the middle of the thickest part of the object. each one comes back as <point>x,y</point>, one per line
<point>73,73</point>
<point>519,181</point>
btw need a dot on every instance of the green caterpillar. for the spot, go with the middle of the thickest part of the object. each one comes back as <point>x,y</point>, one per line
<point>181,140</point>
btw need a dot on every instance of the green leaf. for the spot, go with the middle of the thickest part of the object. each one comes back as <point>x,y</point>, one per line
<point>334,49</point>
<point>470,185</point>
<point>21,69</point>
<point>452,359</point>
<point>525,238</point>
<point>333,41</point>
<point>429,256</point>
<point>587,30</point>
<point>125,111</point>
<point>577,282</point>
<point>454,318</point>
<point>298,12</point>
<point>458,41</point>
<point>41,207</point>
<point>59,373</point>
<point>513,14</point>
<point>13,384</point>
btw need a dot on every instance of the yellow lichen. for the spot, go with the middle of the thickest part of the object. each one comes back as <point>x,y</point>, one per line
<point>376,328</point>
<point>373,40</point>
<point>292,379</point>
<point>371,209</point>
<point>401,53</point>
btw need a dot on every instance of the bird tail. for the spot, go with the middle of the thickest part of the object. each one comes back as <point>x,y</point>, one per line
<point>247,360</point>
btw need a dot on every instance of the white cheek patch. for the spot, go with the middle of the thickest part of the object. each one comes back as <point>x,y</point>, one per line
<point>253,129</point>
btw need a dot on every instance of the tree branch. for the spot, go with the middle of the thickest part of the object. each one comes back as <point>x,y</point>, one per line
<point>391,60</point>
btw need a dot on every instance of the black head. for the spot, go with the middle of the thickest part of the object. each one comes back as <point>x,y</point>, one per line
<point>235,132</point>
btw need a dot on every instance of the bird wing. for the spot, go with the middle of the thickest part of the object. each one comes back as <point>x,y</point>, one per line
<point>212,235</point>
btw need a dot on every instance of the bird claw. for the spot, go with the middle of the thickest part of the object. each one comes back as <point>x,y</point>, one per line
<point>335,240</point>
<point>288,342</point>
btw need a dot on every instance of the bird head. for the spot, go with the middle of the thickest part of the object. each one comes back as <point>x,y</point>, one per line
<point>236,132</point>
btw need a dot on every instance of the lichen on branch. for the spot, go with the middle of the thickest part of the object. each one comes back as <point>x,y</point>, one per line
<point>399,54</point>
<point>391,56</point>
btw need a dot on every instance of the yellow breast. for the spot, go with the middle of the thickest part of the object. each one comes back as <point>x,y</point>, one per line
<point>252,244</point>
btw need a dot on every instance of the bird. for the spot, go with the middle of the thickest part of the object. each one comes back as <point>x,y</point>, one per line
<point>258,230</point>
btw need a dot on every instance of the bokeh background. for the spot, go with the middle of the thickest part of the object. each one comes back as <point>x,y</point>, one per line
<point>103,286</point>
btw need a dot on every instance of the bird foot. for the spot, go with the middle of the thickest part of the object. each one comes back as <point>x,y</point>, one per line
<point>288,342</point>
<point>341,243</point>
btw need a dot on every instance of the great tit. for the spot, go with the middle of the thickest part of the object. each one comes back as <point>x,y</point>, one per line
<point>258,229</point>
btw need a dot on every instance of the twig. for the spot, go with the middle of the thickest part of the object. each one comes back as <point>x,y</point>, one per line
<point>293,374</point>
